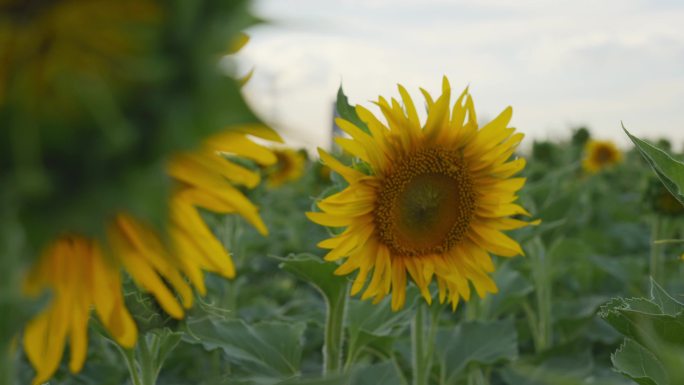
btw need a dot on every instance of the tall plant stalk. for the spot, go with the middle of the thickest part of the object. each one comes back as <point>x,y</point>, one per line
<point>541,275</point>
<point>474,311</point>
<point>656,255</point>
<point>334,332</point>
<point>419,354</point>
<point>145,361</point>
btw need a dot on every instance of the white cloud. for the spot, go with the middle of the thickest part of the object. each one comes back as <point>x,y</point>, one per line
<point>557,63</point>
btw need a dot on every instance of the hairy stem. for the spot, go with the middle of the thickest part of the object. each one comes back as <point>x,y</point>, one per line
<point>334,332</point>
<point>541,272</point>
<point>656,257</point>
<point>420,369</point>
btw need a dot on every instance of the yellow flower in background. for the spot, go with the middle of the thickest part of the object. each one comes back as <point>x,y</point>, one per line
<point>288,168</point>
<point>435,204</point>
<point>45,46</point>
<point>80,276</point>
<point>324,172</point>
<point>599,155</point>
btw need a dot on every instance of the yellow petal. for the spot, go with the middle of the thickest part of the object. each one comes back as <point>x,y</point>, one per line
<point>398,284</point>
<point>495,241</point>
<point>328,220</point>
<point>349,174</point>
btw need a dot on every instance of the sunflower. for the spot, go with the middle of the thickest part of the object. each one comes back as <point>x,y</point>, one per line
<point>81,278</point>
<point>46,45</point>
<point>290,167</point>
<point>599,155</point>
<point>434,203</point>
<point>83,274</point>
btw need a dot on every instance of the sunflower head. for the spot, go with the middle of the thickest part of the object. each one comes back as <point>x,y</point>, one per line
<point>323,172</point>
<point>433,203</point>
<point>599,155</point>
<point>288,168</point>
<point>48,46</point>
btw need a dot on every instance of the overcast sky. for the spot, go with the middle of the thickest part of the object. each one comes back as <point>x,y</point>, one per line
<point>558,63</point>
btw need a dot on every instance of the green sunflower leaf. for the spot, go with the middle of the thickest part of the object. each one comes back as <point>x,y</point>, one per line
<point>639,364</point>
<point>348,112</point>
<point>513,290</point>
<point>339,379</point>
<point>382,373</point>
<point>669,170</point>
<point>374,325</point>
<point>321,275</point>
<point>270,348</point>
<point>386,372</point>
<point>482,342</point>
<point>317,273</point>
<point>669,305</point>
<point>654,329</point>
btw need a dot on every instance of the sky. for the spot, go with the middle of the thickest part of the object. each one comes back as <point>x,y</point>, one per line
<point>559,64</point>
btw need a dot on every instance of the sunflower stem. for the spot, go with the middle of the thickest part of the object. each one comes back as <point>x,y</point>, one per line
<point>420,364</point>
<point>148,373</point>
<point>131,364</point>
<point>474,311</point>
<point>334,332</point>
<point>146,360</point>
<point>656,257</point>
<point>541,273</point>
<point>476,376</point>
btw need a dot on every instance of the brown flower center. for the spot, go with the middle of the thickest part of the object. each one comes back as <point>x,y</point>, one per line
<point>425,204</point>
<point>604,155</point>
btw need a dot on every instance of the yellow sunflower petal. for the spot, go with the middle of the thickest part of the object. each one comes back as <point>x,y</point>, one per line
<point>349,174</point>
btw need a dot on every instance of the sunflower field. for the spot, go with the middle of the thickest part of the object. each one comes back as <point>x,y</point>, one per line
<point>154,230</point>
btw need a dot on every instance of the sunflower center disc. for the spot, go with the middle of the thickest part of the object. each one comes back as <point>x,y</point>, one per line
<point>425,204</point>
<point>604,155</point>
<point>283,162</point>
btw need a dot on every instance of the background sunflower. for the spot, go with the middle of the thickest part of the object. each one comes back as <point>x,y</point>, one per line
<point>289,167</point>
<point>600,155</point>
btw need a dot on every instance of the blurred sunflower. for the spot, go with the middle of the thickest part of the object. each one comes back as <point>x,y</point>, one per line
<point>324,172</point>
<point>435,202</point>
<point>47,46</point>
<point>81,276</point>
<point>289,168</point>
<point>599,155</point>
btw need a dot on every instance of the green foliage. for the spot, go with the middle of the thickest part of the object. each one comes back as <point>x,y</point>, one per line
<point>272,348</point>
<point>334,289</point>
<point>639,364</point>
<point>371,327</point>
<point>348,112</point>
<point>654,331</point>
<point>485,343</point>
<point>318,273</point>
<point>669,170</point>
